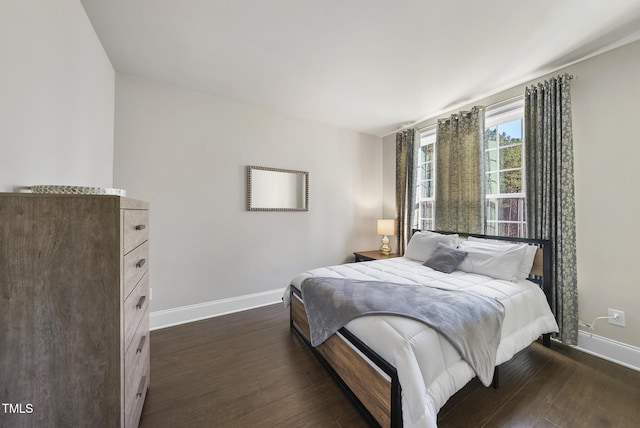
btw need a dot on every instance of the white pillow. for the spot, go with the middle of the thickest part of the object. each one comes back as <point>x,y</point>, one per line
<point>496,261</point>
<point>527,259</point>
<point>422,244</point>
<point>527,262</point>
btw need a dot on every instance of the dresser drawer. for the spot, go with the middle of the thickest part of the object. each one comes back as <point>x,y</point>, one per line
<point>135,307</point>
<point>136,264</point>
<point>133,413</point>
<point>136,228</point>
<point>136,374</point>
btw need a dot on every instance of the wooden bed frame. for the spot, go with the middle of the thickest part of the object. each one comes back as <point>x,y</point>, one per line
<point>370,381</point>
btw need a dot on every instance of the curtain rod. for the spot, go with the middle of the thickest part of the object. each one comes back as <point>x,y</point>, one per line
<point>409,125</point>
<point>505,101</point>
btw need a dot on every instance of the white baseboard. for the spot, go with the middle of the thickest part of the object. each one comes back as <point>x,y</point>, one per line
<point>200,311</point>
<point>617,352</point>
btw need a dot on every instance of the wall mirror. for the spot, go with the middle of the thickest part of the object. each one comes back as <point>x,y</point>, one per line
<point>274,189</point>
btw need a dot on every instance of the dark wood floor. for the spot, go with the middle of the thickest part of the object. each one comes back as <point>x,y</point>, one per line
<point>249,369</point>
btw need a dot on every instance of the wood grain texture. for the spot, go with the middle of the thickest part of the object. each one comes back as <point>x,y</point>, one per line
<point>299,316</point>
<point>57,347</point>
<point>363,256</point>
<point>247,369</point>
<point>372,389</point>
<point>538,263</point>
<point>250,369</point>
<point>61,333</point>
<point>135,228</point>
<point>135,265</point>
<point>133,311</point>
<point>136,374</point>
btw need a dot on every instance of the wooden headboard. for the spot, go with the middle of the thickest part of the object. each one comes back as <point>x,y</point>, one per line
<point>541,269</point>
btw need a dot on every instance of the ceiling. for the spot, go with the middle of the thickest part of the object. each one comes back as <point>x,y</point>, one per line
<point>370,66</point>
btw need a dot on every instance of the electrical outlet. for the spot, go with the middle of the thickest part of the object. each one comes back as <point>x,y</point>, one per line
<point>616,317</point>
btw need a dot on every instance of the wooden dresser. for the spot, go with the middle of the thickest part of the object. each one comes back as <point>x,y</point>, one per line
<point>74,310</point>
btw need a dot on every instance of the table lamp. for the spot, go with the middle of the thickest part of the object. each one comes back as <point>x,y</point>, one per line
<point>386,227</point>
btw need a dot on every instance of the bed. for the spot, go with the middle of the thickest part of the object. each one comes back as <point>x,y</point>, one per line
<point>400,371</point>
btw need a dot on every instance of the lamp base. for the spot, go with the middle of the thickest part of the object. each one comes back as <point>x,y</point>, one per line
<point>385,249</point>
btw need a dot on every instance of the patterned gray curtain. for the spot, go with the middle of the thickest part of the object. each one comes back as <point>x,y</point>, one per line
<point>550,192</point>
<point>460,181</point>
<point>405,186</point>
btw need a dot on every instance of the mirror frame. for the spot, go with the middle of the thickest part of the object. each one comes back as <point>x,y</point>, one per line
<point>250,206</point>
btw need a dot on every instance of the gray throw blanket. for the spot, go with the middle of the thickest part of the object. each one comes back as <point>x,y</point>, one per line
<point>471,322</point>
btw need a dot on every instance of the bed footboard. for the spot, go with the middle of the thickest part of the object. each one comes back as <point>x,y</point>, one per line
<point>368,380</point>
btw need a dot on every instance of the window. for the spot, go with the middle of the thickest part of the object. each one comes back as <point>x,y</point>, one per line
<point>425,189</point>
<point>504,173</point>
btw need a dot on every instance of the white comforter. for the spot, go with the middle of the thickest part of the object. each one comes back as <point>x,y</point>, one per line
<point>429,369</point>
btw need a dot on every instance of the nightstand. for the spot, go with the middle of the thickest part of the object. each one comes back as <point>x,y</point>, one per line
<point>365,256</point>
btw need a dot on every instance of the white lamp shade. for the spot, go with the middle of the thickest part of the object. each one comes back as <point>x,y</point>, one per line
<point>386,227</point>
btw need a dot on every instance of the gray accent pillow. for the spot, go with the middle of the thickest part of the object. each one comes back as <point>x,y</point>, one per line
<point>444,258</point>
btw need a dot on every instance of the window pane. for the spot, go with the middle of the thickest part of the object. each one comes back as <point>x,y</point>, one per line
<point>511,209</point>
<point>510,132</point>
<point>492,229</point>
<point>426,208</point>
<point>511,182</point>
<point>426,153</point>
<point>491,159</point>
<point>491,208</point>
<point>509,229</point>
<point>490,138</point>
<point>426,215</point>
<point>505,217</point>
<point>511,157</point>
<point>492,183</point>
<point>426,189</point>
<point>429,153</point>
<point>423,173</point>
<point>504,173</point>
<point>426,224</point>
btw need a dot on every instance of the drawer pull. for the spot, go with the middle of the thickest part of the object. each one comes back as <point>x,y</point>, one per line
<point>141,263</point>
<point>143,382</point>
<point>140,347</point>
<point>141,302</point>
<point>141,227</point>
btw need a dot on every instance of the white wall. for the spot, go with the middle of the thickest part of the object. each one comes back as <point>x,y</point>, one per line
<point>605,118</point>
<point>605,99</point>
<point>186,152</point>
<point>56,97</point>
